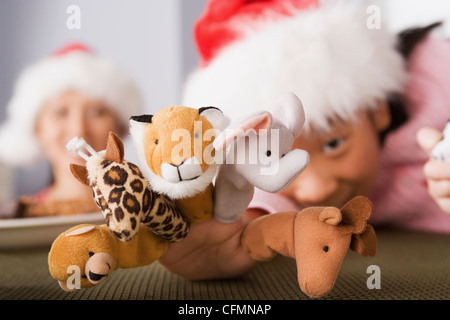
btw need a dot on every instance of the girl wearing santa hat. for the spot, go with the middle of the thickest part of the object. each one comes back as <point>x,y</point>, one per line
<point>367,94</point>
<point>73,92</point>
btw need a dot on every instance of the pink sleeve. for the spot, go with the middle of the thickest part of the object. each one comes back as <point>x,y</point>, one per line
<point>271,202</point>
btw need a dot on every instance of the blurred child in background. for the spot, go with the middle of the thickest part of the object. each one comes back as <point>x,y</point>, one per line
<point>70,93</point>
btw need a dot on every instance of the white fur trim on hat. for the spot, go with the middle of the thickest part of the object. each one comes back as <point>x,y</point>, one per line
<point>82,71</point>
<point>327,56</point>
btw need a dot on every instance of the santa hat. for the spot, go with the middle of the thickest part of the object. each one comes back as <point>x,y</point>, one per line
<point>253,51</point>
<point>73,67</point>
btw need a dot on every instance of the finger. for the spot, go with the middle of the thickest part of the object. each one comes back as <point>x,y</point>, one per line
<point>427,138</point>
<point>437,170</point>
<point>439,188</point>
<point>444,204</point>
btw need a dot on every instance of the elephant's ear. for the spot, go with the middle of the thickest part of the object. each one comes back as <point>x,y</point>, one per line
<point>251,123</point>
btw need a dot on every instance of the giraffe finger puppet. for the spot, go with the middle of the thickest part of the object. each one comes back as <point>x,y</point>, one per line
<point>124,195</point>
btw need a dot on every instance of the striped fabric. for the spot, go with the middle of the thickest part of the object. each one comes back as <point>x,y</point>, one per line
<point>412,265</point>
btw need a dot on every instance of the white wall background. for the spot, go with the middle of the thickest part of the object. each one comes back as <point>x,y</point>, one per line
<point>405,13</point>
<point>152,39</point>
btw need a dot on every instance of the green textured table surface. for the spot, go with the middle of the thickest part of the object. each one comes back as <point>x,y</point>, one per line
<point>412,266</point>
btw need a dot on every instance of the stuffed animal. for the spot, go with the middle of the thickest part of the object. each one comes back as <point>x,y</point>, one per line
<point>267,137</point>
<point>96,253</point>
<point>123,194</point>
<point>176,155</point>
<point>129,206</point>
<point>318,238</point>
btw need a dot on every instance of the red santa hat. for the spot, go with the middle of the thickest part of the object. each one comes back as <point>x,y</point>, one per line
<point>325,53</point>
<point>73,67</point>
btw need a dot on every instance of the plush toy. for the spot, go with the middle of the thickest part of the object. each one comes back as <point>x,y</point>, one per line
<point>268,138</point>
<point>123,194</point>
<point>318,238</point>
<point>178,161</point>
<point>176,155</point>
<point>96,252</point>
<point>130,204</point>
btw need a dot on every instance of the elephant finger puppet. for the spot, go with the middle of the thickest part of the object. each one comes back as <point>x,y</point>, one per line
<point>318,238</point>
<point>123,194</point>
<point>85,255</point>
<point>257,153</point>
<point>176,155</point>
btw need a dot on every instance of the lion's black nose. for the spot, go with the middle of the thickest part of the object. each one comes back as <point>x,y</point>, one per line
<point>95,276</point>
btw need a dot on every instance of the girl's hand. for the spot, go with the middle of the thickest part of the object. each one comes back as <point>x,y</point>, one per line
<point>436,172</point>
<point>212,250</point>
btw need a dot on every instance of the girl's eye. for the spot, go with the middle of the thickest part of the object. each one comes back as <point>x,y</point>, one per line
<point>60,112</point>
<point>97,112</point>
<point>332,145</point>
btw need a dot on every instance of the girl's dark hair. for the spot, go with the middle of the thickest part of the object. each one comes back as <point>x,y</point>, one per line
<point>407,42</point>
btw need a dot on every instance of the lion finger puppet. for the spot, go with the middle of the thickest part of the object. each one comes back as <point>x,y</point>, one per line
<point>176,155</point>
<point>123,194</point>
<point>86,255</point>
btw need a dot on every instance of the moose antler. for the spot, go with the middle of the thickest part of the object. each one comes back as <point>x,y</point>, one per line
<point>365,243</point>
<point>356,212</point>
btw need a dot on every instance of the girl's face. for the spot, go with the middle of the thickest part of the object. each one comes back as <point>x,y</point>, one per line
<point>73,114</point>
<point>344,161</point>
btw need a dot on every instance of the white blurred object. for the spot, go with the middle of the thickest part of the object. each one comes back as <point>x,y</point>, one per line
<point>403,14</point>
<point>441,151</point>
<point>77,145</point>
<point>40,231</point>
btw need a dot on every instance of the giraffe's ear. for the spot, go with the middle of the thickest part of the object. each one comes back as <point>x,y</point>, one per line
<point>80,173</point>
<point>114,148</point>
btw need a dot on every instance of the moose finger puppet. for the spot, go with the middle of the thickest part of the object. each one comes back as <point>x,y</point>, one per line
<point>318,238</point>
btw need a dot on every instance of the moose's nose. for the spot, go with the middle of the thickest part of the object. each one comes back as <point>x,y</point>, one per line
<point>95,276</point>
<point>189,169</point>
<point>98,267</point>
